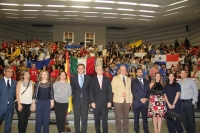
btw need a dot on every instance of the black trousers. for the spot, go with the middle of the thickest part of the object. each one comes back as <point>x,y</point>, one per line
<point>23,117</point>
<point>101,112</point>
<point>187,116</point>
<point>198,103</point>
<point>80,110</point>
<point>60,111</point>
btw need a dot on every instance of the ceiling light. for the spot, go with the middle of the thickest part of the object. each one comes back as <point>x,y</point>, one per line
<point>171,14</point>
<point>70,11</point>
<point>127,3</point>
<point>71,15</point>
<point>79,19</point>
<point>150,5</point>
<point>126,18</point>
<point>104,1</point>
<point>108,8</point>
<point>12,13</point>
<point>10,9</point>
<point>50,11</point>
<point>63,18</point>
<point>31,5</point>
<point>31,14</point>
<point>8,4</point>
<point>90,12</point>
<point>90,16</point>
<point>28,17</point>
<point>145,19</point>
<point>80,0</point>
<point>109,17</point>
<point>11,17</point>
<point>124,9</point>
<point>175,8</point>
<point>30,10</point>
<point>129,14</point>
<point>145,16</point>
<point>80,6</point>
<point>146,11</point>
<point>177,2</point>
<point>108,13</point>
<point>56,5</point>
<point>51,14</point>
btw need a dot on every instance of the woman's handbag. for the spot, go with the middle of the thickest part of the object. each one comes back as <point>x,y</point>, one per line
<point>171,115</point>
<point>70,105</point>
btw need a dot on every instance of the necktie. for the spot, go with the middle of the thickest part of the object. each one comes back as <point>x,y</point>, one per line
<point>100,82</point>
<point>8,84</point>
<point>141,83</point>
<point>124,81</point>
<point>81,82</point>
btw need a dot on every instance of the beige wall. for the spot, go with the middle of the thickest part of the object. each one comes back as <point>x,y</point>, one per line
<point>79,33</point>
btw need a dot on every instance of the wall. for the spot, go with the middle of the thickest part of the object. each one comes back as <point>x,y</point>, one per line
<point>79,33</point>
<point>115,35</point>
<point>194,30</point>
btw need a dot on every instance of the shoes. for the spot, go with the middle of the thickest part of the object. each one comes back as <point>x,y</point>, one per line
<point>67,129</point>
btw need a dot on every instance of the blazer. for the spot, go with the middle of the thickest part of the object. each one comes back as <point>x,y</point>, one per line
<point>138,92</point>
<point>100,96</point>
<point>7,95</point>
<point>77,90</point>
<point>118,88</point>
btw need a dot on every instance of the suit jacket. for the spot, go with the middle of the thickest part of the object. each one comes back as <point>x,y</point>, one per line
<point>138,92</point>
<point>7,95</point>
<point>9,50</point>
<point>100,96</point>
<point>118,88</point>
<point>77,90</point>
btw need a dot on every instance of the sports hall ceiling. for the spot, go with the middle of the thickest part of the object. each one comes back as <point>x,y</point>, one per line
<point>127,13</point>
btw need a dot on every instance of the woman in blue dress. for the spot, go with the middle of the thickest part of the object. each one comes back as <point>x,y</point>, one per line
<point>172,97</point>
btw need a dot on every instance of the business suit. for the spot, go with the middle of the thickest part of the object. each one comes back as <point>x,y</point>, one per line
<point>7,97</point>
<point>100,96</point>
<point>140,91</point>
<point>121,104</point>
<point>80,102</point>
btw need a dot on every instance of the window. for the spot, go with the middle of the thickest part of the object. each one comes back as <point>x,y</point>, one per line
<point>68,37</point>
<point>89,38</point>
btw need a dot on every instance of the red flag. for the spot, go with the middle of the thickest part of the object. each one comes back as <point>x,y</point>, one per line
<point>90,65</point>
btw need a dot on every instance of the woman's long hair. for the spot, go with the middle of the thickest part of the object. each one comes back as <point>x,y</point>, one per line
<point>161,82</point>
<point>58,79</point>
<point>23,73</point>
<point>174,81</point>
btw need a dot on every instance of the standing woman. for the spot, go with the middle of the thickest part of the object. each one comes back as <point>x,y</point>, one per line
<point>62,91</point>
<point>172,97</point>
<point>24,92</point>
<point>157,106</point>
<point>54,73</point>
<point>43,93</point>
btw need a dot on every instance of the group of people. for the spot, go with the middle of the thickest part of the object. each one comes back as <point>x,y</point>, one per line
<point>124,77</point>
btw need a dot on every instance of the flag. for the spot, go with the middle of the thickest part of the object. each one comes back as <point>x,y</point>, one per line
<point>169,60</point>
<point>67,70</point>
<point>16,53</point>
<point>39,64</point>
<point>136,44</point>
<point>89,64</point>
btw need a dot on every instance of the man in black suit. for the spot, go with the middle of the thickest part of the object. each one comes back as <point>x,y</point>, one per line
<point>80,84</point>
<point>141,91</point>
<point>11,49</point>
<point>7,97</point>
<point>101,98</point>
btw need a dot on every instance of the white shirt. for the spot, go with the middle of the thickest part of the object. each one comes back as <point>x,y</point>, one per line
<point>6,80</point>
<point>41,57</point>
<point>141,79</point>
<point>124,78</point>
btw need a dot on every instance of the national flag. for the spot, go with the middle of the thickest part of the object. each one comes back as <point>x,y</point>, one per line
<point>136,44</point>
<point>169,60</point>
<point>161,59</point>
<point>16,53</point>
<point>39,64</point>
<point>89,65</point>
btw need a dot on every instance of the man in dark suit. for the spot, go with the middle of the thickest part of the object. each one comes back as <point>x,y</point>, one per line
<point>141,91</point>
<point>80,84</point>
<point>7,97</point>
<point>101,98</point>
<point>11,49</point>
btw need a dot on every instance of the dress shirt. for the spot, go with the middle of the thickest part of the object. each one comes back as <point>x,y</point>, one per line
<point>124,78</point>
<point>7,81</point>
<point>188,90</point>
<point>79,78</point>
<point>141,79</point>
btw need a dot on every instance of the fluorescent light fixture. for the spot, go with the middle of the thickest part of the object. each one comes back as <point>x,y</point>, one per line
<point>10,9</point>
<point>12,13</point>
<point>108,8</point>
<point>90,16</point>
<point>145,19</point>
<point>32,5</point>
<point>90,12</point>
<point>28,17</point>
<point>70,11</point>
<point>50,10</point>
<point>175,8</point>
<point>51,15</point>
<point>177,2</point>
<point>146,11</point>
<point>30,10</point>
<point>104,1</point>
<point>126,18</point>
<point>31,14</point>
<point>150,5</point>
<point>146,16</point>
<point>9,4</point>
<point>80,6</point>
<point>127,3</point>
<point>11,17</point>
<point>170,14</point>
<point>80,0</point>
<point>124,9</point>
<point>56,5</point>
<point>109,17</point>
<point>71,15</point>
<point>109,13</point>
<point>129,14</point>
<point>79,19</point>
<point>63,18</point>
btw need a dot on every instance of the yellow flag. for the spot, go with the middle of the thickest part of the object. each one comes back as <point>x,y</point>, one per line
<point>136,44</point>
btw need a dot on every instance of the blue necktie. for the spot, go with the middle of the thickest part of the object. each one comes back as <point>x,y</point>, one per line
<point>81,81</point>
<point>141,83</point>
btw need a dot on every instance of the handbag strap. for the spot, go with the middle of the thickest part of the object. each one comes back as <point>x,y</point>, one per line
<point>26,88</point>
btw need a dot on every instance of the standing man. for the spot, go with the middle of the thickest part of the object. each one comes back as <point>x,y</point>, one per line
<point>7,96</point>
<point>121,87</point>
<point>101,98</point>
<point>189,94</point>
<point>33,73</point>
<point>80,91</point>
<point>141,91</point>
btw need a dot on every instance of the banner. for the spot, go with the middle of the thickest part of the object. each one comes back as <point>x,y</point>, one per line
<point>39,64</point>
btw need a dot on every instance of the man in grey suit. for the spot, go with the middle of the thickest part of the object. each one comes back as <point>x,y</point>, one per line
<point>7,97</point>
